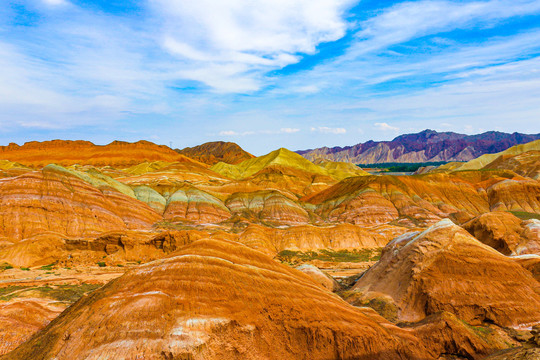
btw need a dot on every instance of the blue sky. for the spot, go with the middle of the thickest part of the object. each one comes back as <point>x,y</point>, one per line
<point>266,74</point>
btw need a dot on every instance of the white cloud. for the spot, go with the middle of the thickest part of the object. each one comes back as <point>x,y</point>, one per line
<point>230,45</point>
<point>55,2</point>
<point>259,132</point>
<point>413,19</point>
<point>228,133</point>
<point>385,127</point>
<point>329,130</point>
<point>289,130</point>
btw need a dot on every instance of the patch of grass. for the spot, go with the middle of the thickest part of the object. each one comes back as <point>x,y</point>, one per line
<point>5,266</point>
<point>101,264</point>
<point>67,293</point>
<point>119,265</point>
<point>8,292</point>
<point>362,255</point>
<point>523,215</point>
<point>47,267</point>
<point>25,269</point>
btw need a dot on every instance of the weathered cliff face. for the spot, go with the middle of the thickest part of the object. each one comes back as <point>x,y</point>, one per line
<point>257,309</point>
<point>53,200</point>
<point>425,146</point>
<point>445,269</point>
<point>193,205</point>
<point>267,206</point>
<point>65,152</point>
<point>506,233</point>
<point>307,237</point>
<point>213,152</point>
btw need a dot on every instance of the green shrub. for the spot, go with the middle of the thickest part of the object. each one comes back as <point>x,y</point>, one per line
<point>101,264</point>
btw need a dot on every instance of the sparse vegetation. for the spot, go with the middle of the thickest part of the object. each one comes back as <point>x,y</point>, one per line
<point>363,255</point>
<point>101,264</point>
<point>63,293</point>
<point>5,266</point>
<point>25,269</point>
<point>523,215</point>
<point>47,267</point>
<point>401,167</point>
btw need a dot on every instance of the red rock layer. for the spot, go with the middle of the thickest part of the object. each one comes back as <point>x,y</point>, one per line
<point>217,300</point>
<point>55,201</point>
<point>66,152</point>
<point>446,269</point>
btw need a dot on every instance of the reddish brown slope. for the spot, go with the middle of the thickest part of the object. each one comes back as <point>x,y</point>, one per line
<point>213,152</point>
<point>218,300</point>
<point>67,152</point>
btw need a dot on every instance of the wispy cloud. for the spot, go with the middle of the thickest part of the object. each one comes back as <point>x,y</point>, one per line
<point>385,127</point>
<point>229,45</point>
<point>259,132</point>
<point>329,130</point>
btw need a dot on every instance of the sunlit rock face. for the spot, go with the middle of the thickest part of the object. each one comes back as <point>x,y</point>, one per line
<point>217,299</point>
<point>445,269</point>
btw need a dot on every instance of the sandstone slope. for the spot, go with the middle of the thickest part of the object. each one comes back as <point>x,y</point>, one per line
<point>215,300</point>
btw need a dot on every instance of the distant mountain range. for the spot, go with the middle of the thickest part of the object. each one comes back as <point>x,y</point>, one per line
<point>425,146</point>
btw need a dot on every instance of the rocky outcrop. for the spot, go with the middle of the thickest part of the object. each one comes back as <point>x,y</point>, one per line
<point>426,146</point>
<point>213,152</point>
<point>445,269</point>
<point>217,300</point>
<point>320,277</point>
<point>506,233</point>
<point>65,152</point>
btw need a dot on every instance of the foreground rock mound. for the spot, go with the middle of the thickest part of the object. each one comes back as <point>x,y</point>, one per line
<point>445,269</point>
<point>217,300</point>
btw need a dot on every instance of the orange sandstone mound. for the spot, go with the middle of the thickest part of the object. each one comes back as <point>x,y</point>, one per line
<point>445,269</point>
<point>66,152</point>
<point>213,152</point>
<point>54,200</point>
<point>217,300</point>
<point>506,233</point>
